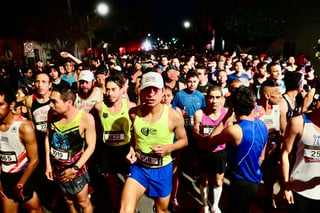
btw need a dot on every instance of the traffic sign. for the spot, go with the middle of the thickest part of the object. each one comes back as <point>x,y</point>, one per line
<point>28,47</point>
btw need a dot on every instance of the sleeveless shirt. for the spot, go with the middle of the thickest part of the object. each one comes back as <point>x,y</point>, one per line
<point>13,153</point>
<point>291,112</point>
<point>87,104</point>
<point>116,127</point>
<point>39,113</point>
<point>207,125</point>
<point>243,160</point>
<point>66,145</point>
<point>307,166</point>
<point>148,134</point>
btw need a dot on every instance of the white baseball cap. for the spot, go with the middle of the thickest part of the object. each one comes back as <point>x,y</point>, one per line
<point>86,75</point>
<point>151,79</point>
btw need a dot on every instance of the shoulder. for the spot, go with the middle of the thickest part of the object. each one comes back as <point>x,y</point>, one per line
<point>98,106</point>
<point>234,133</point>
<point>295,126</point>
<point>283,104</point>
<point>133,111</point>
<point>174,113</point>
<point>87,119</point>
<point>26,128</point>
<point>198,114</point>
<point>29,101</point>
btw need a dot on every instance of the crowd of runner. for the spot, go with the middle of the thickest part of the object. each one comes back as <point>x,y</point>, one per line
<point>148,116</point>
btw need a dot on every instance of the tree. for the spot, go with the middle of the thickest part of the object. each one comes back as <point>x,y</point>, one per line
<point>252,25</point>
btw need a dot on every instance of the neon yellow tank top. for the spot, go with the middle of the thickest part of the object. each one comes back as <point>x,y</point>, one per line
<point>148,134</point>
<point>116,127</point>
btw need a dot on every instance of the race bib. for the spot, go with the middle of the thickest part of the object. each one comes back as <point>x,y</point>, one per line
<point>312,153</point>
<point>8,157</point>
<point>149,160</point>
<point>208,129</point>
<point>114,136</point>
<point>59,154</point>
<point>41,126</point>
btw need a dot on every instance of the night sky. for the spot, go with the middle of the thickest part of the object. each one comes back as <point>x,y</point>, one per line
<point>163,17</point>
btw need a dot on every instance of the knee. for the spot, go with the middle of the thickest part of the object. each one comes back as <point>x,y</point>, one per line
<point>161,209</point>
<point>84,203</point>
<point>219,182</point>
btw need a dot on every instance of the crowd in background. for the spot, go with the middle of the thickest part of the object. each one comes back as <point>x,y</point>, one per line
<point>299,91</point>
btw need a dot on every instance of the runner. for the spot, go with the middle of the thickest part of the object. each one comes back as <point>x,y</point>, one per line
<point>19,158</point>
<point>69,131</point>
<point>212,165</point>
<point>112,115</point>
<point>302,185</point>
<point>152,144</point>
<point>246,142</point>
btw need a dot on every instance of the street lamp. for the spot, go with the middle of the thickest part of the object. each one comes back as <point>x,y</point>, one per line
<point>102,9</point>
<point>186,24</point>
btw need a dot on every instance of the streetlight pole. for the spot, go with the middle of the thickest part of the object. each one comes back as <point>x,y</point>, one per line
<point>90,39</point>
<point>102,9</point>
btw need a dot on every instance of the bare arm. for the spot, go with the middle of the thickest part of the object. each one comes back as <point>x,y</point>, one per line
<point>48,172</point>
<point>307,101</point>
<point>232,134</point>
<point>69,55</point>
<point>292,134</point>
<point>196,127</point>
<point>283,115</point>
<point>176,123</point>
<point>96,113</point>
<point>28,106</point>
<point>90,138</point>
<point>28,136</point>
<point>131,156</point>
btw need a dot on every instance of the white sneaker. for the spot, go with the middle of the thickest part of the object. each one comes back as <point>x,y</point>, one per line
<point>215,210</point>
<point>205,209</point>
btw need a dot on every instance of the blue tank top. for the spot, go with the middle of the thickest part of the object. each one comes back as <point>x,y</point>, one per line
<point>243,160</point>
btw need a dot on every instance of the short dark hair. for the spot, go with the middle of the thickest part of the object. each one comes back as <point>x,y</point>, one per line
<point>116,78</point>
<point>261,64</point>
<point>271,64</point>
<point>192,73</point>
<point>292,80</point>
<point>243,100</point>
<point>214,88</point>
<point>203,67</point>
<point>66,92</point>
<point>9,94</point>
<point>268,83</point>
<point>43,73</point>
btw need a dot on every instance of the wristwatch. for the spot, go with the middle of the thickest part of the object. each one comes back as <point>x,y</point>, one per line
<point>76,167</point>
<point>20,186</point>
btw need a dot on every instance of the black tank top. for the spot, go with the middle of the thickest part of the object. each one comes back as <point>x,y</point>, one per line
<point>291,112</point>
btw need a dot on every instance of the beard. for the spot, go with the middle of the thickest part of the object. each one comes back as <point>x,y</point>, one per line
<point>86,94</point>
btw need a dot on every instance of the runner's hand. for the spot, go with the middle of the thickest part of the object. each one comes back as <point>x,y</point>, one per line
<point>48,173</point>
<point>68,175</point>
<point>131,156</point>
<point>288,196</point>
<point>160,149</point>
<point>1,191</point>
<point>18,192</point>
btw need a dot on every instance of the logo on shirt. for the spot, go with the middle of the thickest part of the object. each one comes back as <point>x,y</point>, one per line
<point>316,140</point>
<point>148,131</point>
<point>104,115</point>
<point>14,129</point>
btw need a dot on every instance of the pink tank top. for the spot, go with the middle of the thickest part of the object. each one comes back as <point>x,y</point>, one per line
<point>207,125</point>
